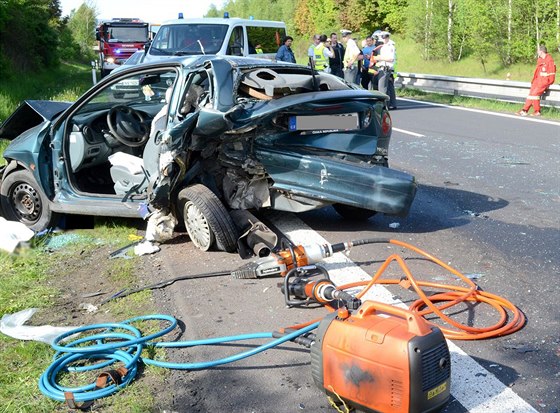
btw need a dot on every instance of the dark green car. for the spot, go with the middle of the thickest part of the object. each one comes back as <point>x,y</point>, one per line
<point>199,137</point>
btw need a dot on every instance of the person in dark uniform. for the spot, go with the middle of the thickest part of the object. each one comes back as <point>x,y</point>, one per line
<point>335,62</point>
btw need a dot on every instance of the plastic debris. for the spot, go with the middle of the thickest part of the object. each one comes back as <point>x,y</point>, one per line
<point>474,276</point>
<point>90,308</point>
<point>394,225</point>
<point>12,234</point>
<point>94,294</point>
<point>135,237</point>
<point>123,252</point>
<point>160,226</point>
<point>13,325</point>
<point>143,210</point>
<point>145,247</point>
<point>521,348</point>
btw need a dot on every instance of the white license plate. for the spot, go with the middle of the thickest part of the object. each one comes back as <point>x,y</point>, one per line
<point>324,122</point>
<point>129,82</point>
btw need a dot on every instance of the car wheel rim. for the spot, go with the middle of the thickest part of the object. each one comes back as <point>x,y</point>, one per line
<point>26,202</point>
<point>197,227</point>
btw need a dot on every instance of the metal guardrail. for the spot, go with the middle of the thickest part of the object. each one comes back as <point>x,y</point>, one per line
<point>506,90</point>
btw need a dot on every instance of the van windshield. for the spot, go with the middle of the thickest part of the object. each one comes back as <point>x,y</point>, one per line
<point>189,39</point>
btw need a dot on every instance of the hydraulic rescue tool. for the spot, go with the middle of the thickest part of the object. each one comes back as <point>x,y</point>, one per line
<point>371,356</point>
<point>365,355</point>
<point>290,256</point>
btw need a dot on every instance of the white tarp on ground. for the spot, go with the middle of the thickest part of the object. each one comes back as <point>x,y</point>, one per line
<point>12,233</point>
<point>13,325</point>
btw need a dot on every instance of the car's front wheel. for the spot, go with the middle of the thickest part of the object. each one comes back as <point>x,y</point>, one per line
<point>22,200</point>
<point>206,219</point>
<point>353,213</point>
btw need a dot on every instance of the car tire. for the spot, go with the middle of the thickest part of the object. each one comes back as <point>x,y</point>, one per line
<point>22,200</point>
<point>353,213</point>
<point>206,219</point>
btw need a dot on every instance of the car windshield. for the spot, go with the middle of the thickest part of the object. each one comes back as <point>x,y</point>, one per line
<point>189,39</point>
<point>129,34</point>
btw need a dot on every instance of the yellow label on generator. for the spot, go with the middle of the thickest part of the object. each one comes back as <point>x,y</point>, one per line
<point>437,390</point>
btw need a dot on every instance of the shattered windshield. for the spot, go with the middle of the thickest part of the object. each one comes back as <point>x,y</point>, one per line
<point>189,39</point>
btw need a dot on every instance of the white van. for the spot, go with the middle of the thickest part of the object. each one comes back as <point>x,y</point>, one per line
<point>217,36</point>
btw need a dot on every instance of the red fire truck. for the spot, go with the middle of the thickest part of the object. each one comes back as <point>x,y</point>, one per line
<point>118,39</point>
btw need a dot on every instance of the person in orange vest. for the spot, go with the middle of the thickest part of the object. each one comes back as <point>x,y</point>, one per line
<point>544,76</point>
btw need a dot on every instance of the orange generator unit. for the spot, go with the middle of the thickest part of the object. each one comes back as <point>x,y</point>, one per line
<point>382,358</point>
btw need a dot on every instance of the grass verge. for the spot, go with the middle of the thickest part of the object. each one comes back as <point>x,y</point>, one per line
<point>65,83</point>
<point>53,276</point>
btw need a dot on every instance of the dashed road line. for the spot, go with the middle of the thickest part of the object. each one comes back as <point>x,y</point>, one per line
<point>417,135</point>
<point>474,387</point>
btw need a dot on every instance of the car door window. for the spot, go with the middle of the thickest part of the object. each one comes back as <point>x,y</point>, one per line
<point>236,42</point>
<point>119,117</point>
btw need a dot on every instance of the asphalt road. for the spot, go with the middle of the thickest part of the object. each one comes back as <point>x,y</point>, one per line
<point>488,205</point>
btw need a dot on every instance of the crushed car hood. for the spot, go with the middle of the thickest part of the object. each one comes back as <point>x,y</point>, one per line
<point>29,114</point>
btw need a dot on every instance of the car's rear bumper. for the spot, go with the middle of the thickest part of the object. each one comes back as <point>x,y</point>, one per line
<point>335,181</point>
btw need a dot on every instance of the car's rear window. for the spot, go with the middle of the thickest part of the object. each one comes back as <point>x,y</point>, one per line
<point>187,39</point>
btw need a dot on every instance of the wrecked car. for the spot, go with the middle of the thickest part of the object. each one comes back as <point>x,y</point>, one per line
<point>198,137</point>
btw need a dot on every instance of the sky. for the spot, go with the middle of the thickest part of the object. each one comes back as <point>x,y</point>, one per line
<point>151,11</point>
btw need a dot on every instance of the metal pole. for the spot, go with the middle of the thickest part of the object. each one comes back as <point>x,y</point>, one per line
<point>93,72</point>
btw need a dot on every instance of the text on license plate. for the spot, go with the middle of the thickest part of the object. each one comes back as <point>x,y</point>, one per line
<point>324,122</point>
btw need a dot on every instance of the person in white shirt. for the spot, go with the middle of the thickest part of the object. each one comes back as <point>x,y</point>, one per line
<point>351,55</point>
<point>385,60</point>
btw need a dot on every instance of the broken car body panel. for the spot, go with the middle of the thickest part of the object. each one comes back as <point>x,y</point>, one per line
<point>257,134</point>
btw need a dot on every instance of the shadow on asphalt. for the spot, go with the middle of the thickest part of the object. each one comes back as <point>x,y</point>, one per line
<point>434,208</point>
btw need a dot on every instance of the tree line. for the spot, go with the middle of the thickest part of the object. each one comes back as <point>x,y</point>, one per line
<point>443,29</point>
<point>34,35</point>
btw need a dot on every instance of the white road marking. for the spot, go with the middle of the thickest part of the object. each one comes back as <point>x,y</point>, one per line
<point>477,389</point>
<point>417,135</point>
<point>486,112</point>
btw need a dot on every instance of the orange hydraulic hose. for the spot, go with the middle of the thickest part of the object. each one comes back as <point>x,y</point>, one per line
<point>455,295</point>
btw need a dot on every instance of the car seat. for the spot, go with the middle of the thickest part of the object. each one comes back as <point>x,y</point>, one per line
<point>132,174</point>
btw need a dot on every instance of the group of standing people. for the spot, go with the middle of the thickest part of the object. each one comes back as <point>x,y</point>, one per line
<point>372,66</point>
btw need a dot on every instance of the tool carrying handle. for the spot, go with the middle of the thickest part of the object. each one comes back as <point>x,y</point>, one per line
<point>416,324</point>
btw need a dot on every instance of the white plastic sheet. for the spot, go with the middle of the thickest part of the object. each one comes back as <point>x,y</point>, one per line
<point>12,233</point>
<point>13,325</point>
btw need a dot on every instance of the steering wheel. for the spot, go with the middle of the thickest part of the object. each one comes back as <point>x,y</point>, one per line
<point>128,126</point>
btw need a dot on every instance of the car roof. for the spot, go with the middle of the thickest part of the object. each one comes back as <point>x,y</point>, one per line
<point>228,21</point>
<point>197,60</point>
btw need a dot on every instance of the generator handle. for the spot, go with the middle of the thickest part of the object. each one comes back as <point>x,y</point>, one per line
<point>416,324</point>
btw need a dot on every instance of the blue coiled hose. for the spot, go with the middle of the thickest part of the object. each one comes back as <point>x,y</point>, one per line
<point>127,350</point>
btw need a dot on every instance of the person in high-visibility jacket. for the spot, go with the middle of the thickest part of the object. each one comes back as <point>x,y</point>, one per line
<point>543,77</point>
<point>322,52</point>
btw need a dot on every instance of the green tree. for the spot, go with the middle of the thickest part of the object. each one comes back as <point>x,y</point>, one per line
<point>82,24</point>
<point>29,34</point>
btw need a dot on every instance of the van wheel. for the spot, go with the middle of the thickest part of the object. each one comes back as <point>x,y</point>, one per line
<point>352,213</point>
<point>22,200</point>
<point>206,219</point>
